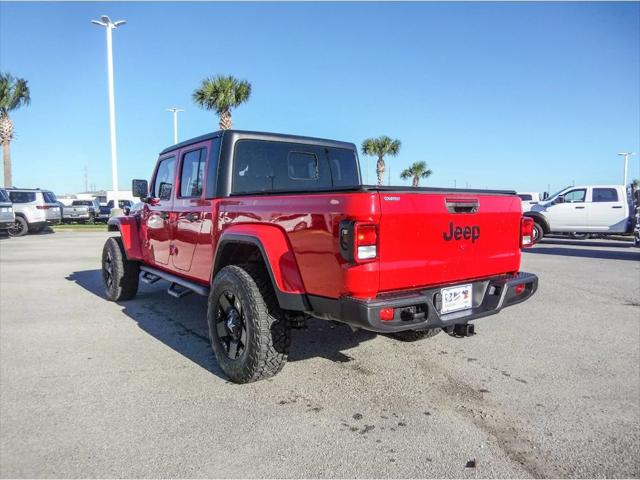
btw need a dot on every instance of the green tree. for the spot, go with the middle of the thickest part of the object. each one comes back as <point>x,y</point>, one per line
<point>416,171</point>
<point>222,93</point>
<point>14,93</point>
<point>380,147</point>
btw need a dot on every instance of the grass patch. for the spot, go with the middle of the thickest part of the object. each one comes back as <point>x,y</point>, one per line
<point>72,227</point>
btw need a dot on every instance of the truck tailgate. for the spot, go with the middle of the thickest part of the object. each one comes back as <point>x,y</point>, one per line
<point>437,238</point>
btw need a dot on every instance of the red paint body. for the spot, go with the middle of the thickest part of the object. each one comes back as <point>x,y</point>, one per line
<point>299,234</point>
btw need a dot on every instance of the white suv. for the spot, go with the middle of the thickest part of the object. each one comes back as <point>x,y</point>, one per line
<point>34,209</point>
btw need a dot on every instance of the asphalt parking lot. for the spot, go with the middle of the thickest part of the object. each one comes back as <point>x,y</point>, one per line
<point>88,388</point>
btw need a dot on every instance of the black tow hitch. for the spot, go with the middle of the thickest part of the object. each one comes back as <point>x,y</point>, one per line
<point>462,330</point>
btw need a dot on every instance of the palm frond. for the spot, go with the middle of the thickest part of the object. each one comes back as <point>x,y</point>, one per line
<point>14,93</point>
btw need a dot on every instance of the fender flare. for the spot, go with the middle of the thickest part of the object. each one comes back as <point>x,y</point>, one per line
<point>538,218</point>
<point>279,260</point>
<point>128,228</point>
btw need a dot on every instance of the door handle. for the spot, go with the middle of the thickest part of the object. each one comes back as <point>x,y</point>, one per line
<point>617,206</point>
<point>579,208</point>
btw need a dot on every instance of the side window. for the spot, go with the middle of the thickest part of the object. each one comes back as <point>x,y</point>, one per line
<point>605,195</point>
<point>575,196</point>
<point>192,174</point>
<point>263,166</point>
<point>525,198</point>
<point>22,197</point>
<point>163,182</point>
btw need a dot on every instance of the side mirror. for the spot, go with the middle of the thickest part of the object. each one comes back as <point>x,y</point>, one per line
<point>545,195</point>
<point>140,188</point>
<point>559,199</point>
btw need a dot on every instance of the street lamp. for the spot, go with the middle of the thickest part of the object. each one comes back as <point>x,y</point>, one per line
<point>626,156</point>
<point>175,112</point>
<point>109,25</point>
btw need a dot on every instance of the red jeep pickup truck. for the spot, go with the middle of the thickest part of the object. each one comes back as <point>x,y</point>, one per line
<point>276,228</point>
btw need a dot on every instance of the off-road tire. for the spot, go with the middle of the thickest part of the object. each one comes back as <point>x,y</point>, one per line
<point>267,334</point>
<point>125,274</point>
<point>20,229</point>
<point>415,335</point>
<point>538,233</point>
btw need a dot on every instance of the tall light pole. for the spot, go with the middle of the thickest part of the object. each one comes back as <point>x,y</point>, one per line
<point>175,112</point>
<point>109,25</point>
<point>626,156</point>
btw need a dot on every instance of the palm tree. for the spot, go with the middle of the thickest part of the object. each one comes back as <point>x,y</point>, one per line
<point>379,147</point>
<point>416,171</point>
<point>14,92</point>
<point>222,93</point>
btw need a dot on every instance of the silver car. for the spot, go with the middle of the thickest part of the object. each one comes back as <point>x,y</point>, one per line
<point>34,209</point>
<point>7,217</point>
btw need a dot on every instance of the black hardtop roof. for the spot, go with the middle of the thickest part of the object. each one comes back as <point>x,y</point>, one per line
<point>275,137</point>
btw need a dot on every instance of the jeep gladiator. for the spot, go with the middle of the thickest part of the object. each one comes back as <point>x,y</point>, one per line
<point>275,229</point>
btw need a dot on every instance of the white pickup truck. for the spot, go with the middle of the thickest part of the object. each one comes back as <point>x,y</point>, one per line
<point>529,199</point>
<point>583,209</point>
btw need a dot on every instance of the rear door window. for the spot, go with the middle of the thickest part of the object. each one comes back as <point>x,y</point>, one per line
<point>163,182</point>
<point>22,197</point>
<point>192,175</point>
<point>605,195</point>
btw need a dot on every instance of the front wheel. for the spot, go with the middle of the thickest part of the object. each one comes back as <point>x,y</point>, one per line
<point>538,232</point>
<point>119,274</point>
<point>19,229</point>
<point>579,235</point>
<point>249,335</point>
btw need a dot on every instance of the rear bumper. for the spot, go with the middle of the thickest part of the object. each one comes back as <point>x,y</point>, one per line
<point>421,309</point>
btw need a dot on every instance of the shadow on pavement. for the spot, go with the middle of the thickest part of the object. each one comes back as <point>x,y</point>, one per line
<point>587,243</point>
<point>585,253</point>
<point>181,324</point>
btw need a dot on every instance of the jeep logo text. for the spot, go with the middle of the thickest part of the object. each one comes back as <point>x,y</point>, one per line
<point>458,233</point>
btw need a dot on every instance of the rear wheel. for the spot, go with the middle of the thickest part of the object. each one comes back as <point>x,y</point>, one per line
<point>119,274</point>
<point>249,335</point>
<point>19,228</point>
<point>415,335</point>
<point>538,232</point>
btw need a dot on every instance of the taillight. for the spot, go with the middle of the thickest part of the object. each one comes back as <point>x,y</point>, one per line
<point>366,242</point>
<point>526,232</point>
<point>358,242</point>
<point>43,207</point>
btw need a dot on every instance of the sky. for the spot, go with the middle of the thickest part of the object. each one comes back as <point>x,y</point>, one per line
<point>524,96</point>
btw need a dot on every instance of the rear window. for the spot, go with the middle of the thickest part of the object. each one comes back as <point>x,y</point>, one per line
<point>605,195</point>
<point>81,203</point>
<point>263,166</point>
<point>49,197</point>
<point>22,197</point>
<point>526,198</point>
